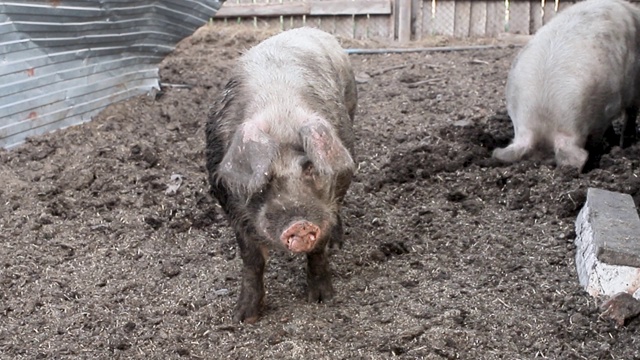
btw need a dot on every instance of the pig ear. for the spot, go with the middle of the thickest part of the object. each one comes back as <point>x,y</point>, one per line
<point>324,148</point>
<point>246,166</point>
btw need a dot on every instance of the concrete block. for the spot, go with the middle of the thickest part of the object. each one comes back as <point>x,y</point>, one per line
<point>608,244</point>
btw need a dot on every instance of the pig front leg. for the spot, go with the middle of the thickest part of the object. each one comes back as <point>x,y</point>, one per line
<point>318,276</point>
<point>629,131</point>
<point>336,240</point>
<point>251,297</point>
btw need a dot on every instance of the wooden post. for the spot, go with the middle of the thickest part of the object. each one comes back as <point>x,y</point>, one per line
<point>404,20</point>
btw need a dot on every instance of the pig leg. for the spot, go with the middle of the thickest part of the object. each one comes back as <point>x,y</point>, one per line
<point>521,145</point>
<point>629,131</point>
<point>318,276</point>
<point>251,296</point>
<point>337,234</point>
<point>569,151</point>
<point>611,137</point>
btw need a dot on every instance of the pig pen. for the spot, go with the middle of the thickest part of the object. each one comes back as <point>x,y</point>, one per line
<point>111,248</point>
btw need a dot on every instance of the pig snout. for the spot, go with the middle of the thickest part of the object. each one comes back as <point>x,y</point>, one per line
<point>301,236</point>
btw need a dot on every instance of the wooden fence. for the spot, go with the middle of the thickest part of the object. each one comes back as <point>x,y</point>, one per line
<point>401,20</point>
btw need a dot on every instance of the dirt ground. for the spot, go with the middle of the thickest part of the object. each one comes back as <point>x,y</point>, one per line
<point>447,254</point>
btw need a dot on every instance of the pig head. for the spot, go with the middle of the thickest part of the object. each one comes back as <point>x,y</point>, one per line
<point>293,187</point>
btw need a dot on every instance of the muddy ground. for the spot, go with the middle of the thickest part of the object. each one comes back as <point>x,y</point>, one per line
<point>447,254</point>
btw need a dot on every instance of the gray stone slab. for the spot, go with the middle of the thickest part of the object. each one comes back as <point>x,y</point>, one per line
<point>613,218</point>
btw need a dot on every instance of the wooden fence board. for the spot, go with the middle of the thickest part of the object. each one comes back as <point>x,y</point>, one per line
<point>443,23</point>
<point>416,18</point>
<point>564,4</point>
<point>328,24</point>
<point>361,27</point>
<point>495,18</point>
<point>291,22</point>
<point>354,7</point>
<point>478,20</point>
<point>380,27</point>
<point>269,22</point>
<point>519,17</point>
<point>404,20</point>
<point>536,17</point>
<point>294,22</point>
<point>326,7</point>
<point>427,20</point>
<point>380,18</point>
<point>462,18</point>
<point>549,11</point>
<point>344,26</point>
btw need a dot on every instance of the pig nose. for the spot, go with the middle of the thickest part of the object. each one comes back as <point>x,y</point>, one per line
<point>300,236</point>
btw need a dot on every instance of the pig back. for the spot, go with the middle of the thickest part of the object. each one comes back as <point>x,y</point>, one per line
<point>305,68</point>
<point>585,58</point>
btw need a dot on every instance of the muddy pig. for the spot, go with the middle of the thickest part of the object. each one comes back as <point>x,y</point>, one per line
<point>573,79</point>
<point>279,149</point>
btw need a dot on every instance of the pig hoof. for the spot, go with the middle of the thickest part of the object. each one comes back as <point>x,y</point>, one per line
<point>336,242</point>
<point>509,154</point>
<point>301,236</point>
<point>248,307</point>
<point>626,141</point>
<point>246,314</point>
<point>572,157</point>
<point>321,292</point>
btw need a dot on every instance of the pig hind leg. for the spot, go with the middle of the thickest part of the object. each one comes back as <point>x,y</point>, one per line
<point>251,297</point>
<point>522,144</point>
<point>569,151</point>
<point>629,131</point>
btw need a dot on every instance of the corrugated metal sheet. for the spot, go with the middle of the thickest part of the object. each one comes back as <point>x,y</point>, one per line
<point>62,61</point>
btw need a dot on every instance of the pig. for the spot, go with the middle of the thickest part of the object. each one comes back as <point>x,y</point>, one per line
<point>279,156</point>
<point>576,76</point>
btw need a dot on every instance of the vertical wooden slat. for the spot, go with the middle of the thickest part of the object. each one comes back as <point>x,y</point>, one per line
<point>495,18</point>
<point>519,17</point>
<point>564,4</point>
<point>404,20</point>
<point>361,23</point>
<point>248,20</point>
<point>379,26</point>
<point>549,11</point>
<point>328,24</point>
<point>269,22</point>
<point>444,20</point>
<point>295,21</point>
<point>343,26</point>
<point>427,21</point>
<point>393,19</point>
<point>416,18</point>
<point>536,17</point>
<point>478,20</point>
<point>462,18</point>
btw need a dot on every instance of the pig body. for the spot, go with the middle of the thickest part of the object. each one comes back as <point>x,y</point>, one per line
<point>279,155</point>
<point>574,77</point>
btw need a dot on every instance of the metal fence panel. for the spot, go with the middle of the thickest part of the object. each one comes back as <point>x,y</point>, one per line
<point>61,62</point>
